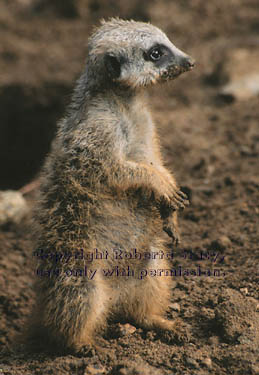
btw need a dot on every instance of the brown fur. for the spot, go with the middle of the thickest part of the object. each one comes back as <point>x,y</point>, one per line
<point>104,187</point>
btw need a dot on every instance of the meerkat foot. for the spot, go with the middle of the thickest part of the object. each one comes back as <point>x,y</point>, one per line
<point>159,323</point>
<point>177,333</point>
<point>168,330</point>
<point>90,349</point>
<point>84,351</point>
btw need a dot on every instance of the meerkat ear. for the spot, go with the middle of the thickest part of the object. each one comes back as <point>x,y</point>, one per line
<point>113,66</point>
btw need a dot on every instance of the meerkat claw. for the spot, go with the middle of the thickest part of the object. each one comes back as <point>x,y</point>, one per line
<point>172,232</point>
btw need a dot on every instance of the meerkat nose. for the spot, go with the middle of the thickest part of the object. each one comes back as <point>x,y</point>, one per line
<point>187,62</point>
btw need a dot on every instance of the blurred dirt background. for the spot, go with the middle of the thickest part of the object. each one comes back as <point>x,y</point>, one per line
<point>208,121</point>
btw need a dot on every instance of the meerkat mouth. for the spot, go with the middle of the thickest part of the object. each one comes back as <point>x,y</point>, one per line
<point>172,73</point>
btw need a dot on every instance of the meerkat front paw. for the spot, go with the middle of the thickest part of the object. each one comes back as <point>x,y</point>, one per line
<point>167,205</point>
<point>174,199</point>
<point>178,200</point>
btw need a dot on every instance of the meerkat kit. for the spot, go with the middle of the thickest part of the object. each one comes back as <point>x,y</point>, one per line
<point>105,191</point>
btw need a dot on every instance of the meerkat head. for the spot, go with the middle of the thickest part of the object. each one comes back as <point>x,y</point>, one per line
<point>134,54</point>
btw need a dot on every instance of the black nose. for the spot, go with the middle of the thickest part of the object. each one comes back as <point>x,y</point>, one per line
<point>187,63</point>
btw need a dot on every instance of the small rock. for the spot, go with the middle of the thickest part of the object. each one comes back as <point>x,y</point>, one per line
<point>138,367</point>
<point>242,89</point>
<point>229,181</point>
<point>207,362</point>
<point>246,151</point>
<point>95,370</point>
<point>125,329</point>
<point>211,169</point>
<point>244,210</point>
<point>239,66</point>
<point>210,280</point>
<point>214,340</point>
<point>175,307</point>
<point>191,362</point>
<point>255,369</point>
<point>13,207</point>
<point>244,291</point>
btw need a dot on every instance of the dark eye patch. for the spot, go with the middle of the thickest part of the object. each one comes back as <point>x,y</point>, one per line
<point>158,54</point>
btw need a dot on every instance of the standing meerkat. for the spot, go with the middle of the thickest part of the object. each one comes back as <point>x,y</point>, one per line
<point>105,191</point>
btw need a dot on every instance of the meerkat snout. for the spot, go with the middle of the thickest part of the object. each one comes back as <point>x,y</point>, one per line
<point>171,61</point>
<point>177,65</point>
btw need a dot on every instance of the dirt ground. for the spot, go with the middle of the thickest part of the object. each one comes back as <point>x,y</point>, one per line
<point>210,135</point>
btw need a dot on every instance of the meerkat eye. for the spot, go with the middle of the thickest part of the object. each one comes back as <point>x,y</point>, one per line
<point>156,54</point>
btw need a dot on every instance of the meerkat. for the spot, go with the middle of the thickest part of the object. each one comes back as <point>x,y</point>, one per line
<point>105,190</point>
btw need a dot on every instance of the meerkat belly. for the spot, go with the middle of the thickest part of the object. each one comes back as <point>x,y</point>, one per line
<point>123,224</point>
<point>127,238</point>
<point>116,240</point>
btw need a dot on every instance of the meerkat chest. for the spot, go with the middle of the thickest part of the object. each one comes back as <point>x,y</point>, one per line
<point>139,142</point>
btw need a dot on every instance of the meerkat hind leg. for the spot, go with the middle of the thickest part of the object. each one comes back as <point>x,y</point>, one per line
<point>79,315</point>
<point>149,300</point>
<point>98,308</point>
<point>152,299</point>
<point>154,296</point>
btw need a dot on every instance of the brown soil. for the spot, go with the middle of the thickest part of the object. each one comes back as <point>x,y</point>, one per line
<point>210,140</point>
